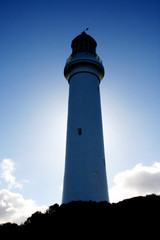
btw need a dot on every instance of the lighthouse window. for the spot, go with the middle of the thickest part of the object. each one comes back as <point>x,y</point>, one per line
<point>79,131</point>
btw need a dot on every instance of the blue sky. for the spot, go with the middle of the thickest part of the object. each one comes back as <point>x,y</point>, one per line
<point>35,38</point>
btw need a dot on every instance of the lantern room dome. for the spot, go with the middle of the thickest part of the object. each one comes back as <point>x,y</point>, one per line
<point>83,43</point>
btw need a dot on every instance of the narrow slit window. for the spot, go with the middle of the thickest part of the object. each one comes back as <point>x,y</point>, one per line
<point>79,131</point>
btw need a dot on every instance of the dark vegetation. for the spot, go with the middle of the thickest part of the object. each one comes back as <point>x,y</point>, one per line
<point>132,218</point>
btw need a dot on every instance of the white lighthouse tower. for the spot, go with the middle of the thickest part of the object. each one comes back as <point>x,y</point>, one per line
<point>85,171</point>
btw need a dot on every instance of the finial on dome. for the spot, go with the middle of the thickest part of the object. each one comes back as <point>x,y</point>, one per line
<point>86,30</point>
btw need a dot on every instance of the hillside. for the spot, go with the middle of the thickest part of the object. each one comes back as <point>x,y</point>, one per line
<point>133,217</point>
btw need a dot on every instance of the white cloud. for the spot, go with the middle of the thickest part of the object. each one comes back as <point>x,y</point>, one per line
<point>140,180</point>
<point>14,208</point>
<point>7,167</point>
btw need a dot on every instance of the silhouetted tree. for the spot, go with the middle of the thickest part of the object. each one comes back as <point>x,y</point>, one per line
<point>136,216</point>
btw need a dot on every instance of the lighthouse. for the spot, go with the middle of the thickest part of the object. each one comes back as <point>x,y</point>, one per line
<point>85,168</point>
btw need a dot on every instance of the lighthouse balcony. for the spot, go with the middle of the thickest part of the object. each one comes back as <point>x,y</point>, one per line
<point>83,55</point>
<point>84,62</point>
